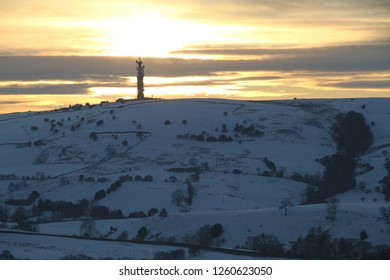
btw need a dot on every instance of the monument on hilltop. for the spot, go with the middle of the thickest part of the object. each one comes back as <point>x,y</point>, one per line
<point>140,79</point>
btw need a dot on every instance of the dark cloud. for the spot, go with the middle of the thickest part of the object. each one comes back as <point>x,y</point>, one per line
<point>385,84</point>
<point>89,72</point>
<point>11,102</point>
<point>46,89</point>
<point>115,69</point>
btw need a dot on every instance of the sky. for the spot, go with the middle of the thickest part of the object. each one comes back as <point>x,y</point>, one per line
<point>58,53</point>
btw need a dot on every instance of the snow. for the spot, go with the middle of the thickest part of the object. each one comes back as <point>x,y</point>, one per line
<point>296,133</point>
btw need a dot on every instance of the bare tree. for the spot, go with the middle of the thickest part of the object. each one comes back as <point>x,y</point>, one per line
<point>178,197</point>
<point>88,229</point>
<point>385,214</point>
<point>331,210</point>
<point>285,205</point>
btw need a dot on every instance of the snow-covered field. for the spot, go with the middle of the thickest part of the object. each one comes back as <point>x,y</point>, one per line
<point>152,137</point>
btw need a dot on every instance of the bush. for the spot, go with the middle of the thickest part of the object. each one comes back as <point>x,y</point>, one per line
<point>172,255</point>
<point>137,214</point>
<point>206,234</point>
<point>20,215</point>
<point>163,213</point>
<point>34,128</point>
<point>116,214</point>
<point>100,195</point>
<point>216,230</point>
<point>123,236</point>
<point>141,234</point>
<point>270,165</point>
<point>33,196</point>
<point>138,178</point>
<point>148,178</point>
<point>152,212</point>
<point>93,136</point>
<point>167,122</point>
<point>100,212</point>
<point>236,171</point>
<point>100,123</point>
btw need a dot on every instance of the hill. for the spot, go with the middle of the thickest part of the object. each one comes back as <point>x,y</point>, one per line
<point>205,161</point>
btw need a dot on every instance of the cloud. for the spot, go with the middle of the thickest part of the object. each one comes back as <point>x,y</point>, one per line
<point>385,84</point>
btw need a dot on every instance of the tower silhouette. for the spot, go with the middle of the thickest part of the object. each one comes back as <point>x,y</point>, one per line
<point>140,79</point>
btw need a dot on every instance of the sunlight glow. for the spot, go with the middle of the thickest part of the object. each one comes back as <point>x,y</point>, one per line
<point>150,35</point>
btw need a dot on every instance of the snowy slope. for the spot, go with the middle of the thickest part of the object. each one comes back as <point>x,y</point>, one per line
<point>152,138</point>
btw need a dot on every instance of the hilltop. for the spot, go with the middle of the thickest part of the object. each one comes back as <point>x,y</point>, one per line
<point>167,169</point>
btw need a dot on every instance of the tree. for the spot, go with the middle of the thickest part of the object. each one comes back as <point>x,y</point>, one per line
<point>100,212</point>
<point>338,177</point>
<point>352,135</point>
<point>285,205</point>
<point>190,192</point>
<point>20,215</point>
<point>331,210</point>
<point>152,212</point>
<point>363,235</point>
<point>216,230</point>
<point>6,255</point>
<point>163,213</point>
<point>385,213</point>
<point>4,212</point>
<point>267,245</point>
<point>88,229</point>
<point>100,195</point>
<point>178,197</point>
<point>317,245</point>
<point>141,234</point>
<point>123,236</point>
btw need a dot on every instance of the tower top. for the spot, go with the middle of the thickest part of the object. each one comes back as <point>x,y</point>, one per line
<point>140,68</point>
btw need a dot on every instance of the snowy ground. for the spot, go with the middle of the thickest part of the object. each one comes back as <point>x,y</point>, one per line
<point>141,138</point>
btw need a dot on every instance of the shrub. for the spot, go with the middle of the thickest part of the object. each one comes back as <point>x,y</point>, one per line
<point>34,128</point>
<point>100,123</point>
<point>100,212</point>
<point>270,165</point>
<point>141,234</point>
<point>216,230</point>
<point>93,136</point>
<point>20,215</point>
<point>167,122</point>
<point>152,212</point>
<point>116,214</point>
<point>137,214</point>
<point>123,236</point>
<point>33,196</point>
<point>100,195</point>
<point>236,171</point>
<point>148,178</point>
<point>138,178</point>
<point>172,255</point>
<point>163,213</point>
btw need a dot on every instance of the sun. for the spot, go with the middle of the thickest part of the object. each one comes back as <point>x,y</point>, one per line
<point>144,35</point>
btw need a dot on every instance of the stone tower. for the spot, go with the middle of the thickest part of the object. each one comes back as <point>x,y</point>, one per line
<point>140,79</point>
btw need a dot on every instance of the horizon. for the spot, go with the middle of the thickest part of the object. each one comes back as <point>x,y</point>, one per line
<point>82,51</point>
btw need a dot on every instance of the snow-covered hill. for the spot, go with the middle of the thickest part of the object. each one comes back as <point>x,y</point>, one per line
<point>70,154</point>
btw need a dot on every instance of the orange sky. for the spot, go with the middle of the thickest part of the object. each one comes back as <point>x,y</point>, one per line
<point>249,49</point>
